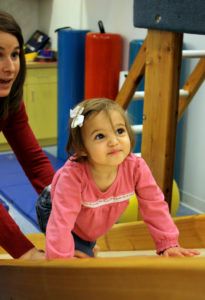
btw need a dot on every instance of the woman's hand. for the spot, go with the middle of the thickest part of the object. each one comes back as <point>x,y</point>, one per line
<point>180,252</point>
<point>33,254</point>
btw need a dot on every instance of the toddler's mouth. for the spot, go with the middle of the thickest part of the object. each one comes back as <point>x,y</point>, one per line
<point>114,152</point>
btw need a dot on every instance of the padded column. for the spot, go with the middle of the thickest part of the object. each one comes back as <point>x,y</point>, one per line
<point>135,108</point>
<point>71,63</point>
<point>103,65</point>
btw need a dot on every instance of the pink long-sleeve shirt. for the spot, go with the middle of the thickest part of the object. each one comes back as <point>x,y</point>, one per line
<point>78,205</point>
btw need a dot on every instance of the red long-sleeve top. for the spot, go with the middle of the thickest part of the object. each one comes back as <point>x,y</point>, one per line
<point>36,166</point>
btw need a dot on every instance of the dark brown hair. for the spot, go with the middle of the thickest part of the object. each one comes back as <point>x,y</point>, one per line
<point>93,106</point>
<point>11,102</point>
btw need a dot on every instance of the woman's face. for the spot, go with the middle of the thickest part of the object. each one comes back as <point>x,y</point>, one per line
<point>9,62</point>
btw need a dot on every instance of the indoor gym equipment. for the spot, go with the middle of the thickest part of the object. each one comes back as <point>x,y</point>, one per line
<point>103,62</point>
<point>131,212</point>
<point>159,59</point>
<point>135,108</point>
<point>145,277</point>
<point>16,188</point>
<point>71,64</point>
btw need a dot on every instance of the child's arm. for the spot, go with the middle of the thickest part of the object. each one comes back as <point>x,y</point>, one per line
<point>66,204</point>
<point>155,212</point>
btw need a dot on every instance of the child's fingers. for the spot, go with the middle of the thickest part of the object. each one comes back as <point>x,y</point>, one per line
<point>96,249</point>
<point>196,252</point>
<point>172,253</point>
<point>193,251</point>
<point>179,252</point>
<point>189,252</point>
<point>80,254</point>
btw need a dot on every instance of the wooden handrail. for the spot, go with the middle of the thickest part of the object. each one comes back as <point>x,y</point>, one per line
<point>133,78</point>
<point>192,84</point>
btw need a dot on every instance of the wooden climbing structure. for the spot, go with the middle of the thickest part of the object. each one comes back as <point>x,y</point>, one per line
<point>159,60</point>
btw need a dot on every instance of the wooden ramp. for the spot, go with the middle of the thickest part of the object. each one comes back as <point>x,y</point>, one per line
<point>141,277</point>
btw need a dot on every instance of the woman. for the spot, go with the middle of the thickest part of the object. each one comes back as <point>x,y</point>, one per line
<point>15,127</point>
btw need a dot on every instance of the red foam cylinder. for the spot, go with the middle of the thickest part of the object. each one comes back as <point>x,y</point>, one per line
<point>103,63</point>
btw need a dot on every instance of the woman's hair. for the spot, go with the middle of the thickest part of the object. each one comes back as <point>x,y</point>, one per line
<point>11,102</point>
<point>92,107</point>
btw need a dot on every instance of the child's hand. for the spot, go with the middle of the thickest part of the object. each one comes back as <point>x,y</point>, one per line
<point>80,254</point>
<point>96,249</point>
<point>179,252</point>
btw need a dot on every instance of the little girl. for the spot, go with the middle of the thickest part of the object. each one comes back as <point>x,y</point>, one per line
<point>91,191</point>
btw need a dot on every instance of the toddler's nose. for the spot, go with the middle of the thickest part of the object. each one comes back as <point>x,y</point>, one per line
<point>113,140</point>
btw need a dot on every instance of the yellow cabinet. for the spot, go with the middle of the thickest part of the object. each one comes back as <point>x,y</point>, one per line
<point>40,97</point>
<point>3,142</point>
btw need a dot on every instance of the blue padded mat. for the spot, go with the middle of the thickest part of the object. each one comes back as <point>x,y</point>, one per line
<point>16,188</point>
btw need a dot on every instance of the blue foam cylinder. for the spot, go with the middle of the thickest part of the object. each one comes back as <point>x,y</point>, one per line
<point>71,62</point>
<point>135,108</point>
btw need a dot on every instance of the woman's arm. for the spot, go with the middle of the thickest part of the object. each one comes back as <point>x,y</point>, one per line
<point>38,169</point>
<point>11,237</point>
<point>33,160</point>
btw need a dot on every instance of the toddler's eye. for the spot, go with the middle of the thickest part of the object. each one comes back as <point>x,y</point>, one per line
<point>99,136</point>
<point>120,131</point>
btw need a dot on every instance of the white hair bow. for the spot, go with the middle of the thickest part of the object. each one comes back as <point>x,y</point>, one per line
<point>75,114</point>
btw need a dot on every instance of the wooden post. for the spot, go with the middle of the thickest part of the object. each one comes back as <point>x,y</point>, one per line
<point>162,71</point>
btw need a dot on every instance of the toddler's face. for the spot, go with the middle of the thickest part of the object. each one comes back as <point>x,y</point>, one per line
<point>106,139</point>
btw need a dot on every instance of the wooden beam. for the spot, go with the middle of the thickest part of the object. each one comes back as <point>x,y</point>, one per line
<point>163,64</point>
<point>135,235</point>
<point>112,278</point>
<point>192,84</point>
<point>133,78</point>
